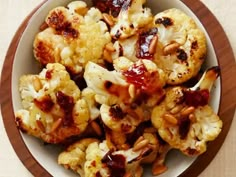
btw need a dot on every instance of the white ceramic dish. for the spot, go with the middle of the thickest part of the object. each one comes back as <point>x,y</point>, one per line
<point>47,155</point>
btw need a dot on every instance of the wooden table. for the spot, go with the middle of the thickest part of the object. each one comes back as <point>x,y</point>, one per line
<point>12,13</point>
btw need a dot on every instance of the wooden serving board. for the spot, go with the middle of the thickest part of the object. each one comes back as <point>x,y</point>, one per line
<point>226,61</point>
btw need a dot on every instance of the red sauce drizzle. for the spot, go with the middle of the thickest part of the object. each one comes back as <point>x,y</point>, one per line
<point>67,104</point>
<point>45,104</point>
<point>115,163</point>
<point>48,74</point>
<point>138,75</point>
<point>196,98</point>
<point>144,42</point>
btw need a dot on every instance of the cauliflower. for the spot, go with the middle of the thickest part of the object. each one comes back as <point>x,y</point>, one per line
<point>131,17</point>
<point>118,120</point>
<point>145,78</point>
<point>129,66</point>
<point>185,120</point>
<point>88,157</point>
<point>181,48</point>
<point>70,36</point>
<point>102,161</point>
<point>74,156</point>
<point>126,48</point>
<point>109,86</point>
<point>52,106</point>
<point>93,165</point>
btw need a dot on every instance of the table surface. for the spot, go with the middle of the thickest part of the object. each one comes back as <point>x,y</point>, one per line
<point>13,12</point>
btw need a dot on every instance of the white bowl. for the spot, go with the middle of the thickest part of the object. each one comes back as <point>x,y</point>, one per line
<point>47,155</point>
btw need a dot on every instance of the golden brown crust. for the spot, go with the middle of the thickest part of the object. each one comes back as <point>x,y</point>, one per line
<point>182,46</point>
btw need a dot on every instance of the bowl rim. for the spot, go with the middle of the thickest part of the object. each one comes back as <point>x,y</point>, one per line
<point>225,58</point>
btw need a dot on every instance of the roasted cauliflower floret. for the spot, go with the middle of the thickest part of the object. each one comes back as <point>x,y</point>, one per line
<point>102,161</point>
<point>70,36</point>
<point>126,48</point>
<point>185,120</point>
<point>52,106</point>
<point>74,156</point>
<point>145,78</point>
<point>131,17</point>
<point>181,48</point>
<point>118,120</point>
<point>109,86</point>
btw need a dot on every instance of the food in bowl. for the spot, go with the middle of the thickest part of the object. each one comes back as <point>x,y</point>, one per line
<point>113,88</point>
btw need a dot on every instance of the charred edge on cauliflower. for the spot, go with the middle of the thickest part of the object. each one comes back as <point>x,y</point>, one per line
<point>181,55</point>
<point>58,21</point>
<point>116,112</point>
<point>166,21</point>
<point>43,53</point>
<point>112,7</point>
<point>67,104</point>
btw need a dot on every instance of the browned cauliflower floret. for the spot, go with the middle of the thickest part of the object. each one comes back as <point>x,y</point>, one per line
<point>102,161</point>
<point>71,34</point>
<point>74,156</point>
<point>52,107</point>
<point>145,79</point>
<point>110,86</point>
<point>121,121</point>
<point>181,48</point>
<point>131,17</point>
<point>185,120</point>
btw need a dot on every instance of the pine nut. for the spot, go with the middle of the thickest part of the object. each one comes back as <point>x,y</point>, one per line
<point>158,169</point>
<point>138,140</point>
<point>56,125</point>
<point>96,128</point>
<point>132,91</point>
<point>40,125</point>
<point>107,56</point>
<point>152,47</point>
<point>141,145</point>
<point>176,109</point>
<point>125,146</point>
<point>192,118</point>
<point>170,48</point>
<point>108,19</point>
<point>82,10</point>
<point>110,47</point>
<point>187,111</point>
<point>37,83</point>
<point>170,118</point>
<point>43,26</point>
